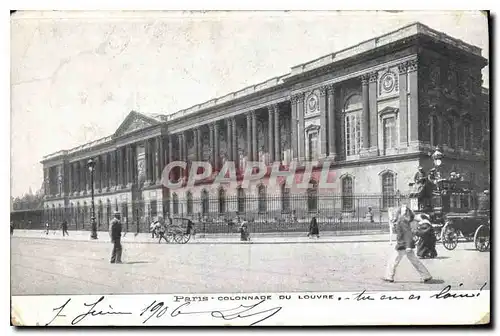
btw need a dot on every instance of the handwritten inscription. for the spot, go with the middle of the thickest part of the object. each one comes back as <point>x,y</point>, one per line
<point>92,311</point>
<point>254,310</point>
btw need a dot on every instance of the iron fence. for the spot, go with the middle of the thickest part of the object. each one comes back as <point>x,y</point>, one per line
<point>265,213</point>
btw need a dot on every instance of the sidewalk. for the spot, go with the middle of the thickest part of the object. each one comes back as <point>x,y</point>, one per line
<point>230,238</point>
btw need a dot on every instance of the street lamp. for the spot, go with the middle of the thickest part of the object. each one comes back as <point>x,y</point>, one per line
<point>91,166</point>
<point>437,158</point>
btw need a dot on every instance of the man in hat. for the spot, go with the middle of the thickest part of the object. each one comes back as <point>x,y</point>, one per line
<point>115,233</point>
<point>405,245</point>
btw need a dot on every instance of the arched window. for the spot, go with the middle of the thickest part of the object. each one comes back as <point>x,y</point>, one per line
<point>312,197</point>
<point>285,198</point>
<point>175,204</point>
<point>71,213</point>
<point>53,215</point>
<point>388,190</point>
<point>60,214</point>
<point>262,198</point>
<point>241,200</point>
<point>189,203</point>
<point>352,124</point>
<point>222,200</point>
<point>204,202</point>
<point>347,194</point>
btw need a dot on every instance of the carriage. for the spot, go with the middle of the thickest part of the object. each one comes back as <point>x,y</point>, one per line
<point>179,231</point>
<point>451,206</point>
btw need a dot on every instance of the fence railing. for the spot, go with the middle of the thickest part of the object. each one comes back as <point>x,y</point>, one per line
<point>265,213</point>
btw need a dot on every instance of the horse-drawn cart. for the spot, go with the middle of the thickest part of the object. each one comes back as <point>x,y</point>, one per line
<point>179,231</point>
<point>451,206</point>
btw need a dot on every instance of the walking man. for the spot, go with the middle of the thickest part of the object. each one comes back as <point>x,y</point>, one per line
<point>64,227</point>
<point>115,233</point>
<point>405,245</point>
<point>46,228</point>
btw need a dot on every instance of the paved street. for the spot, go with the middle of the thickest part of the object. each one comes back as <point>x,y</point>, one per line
<point>55,266</point>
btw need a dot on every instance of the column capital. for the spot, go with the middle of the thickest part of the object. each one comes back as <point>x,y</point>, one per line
<point>323,90</point>
<point>296,98</point>
<point>412,65</point>
<point>272,108</point>
<point>373,76</point>
<point>403,67</point>
<point>365,78</point>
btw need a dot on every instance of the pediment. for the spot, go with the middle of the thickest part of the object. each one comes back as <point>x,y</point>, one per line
<point>133,122</point>
<point>388,110</point>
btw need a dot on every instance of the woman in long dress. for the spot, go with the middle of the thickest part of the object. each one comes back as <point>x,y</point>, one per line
<point>426,246</point>
<point>313,228</point>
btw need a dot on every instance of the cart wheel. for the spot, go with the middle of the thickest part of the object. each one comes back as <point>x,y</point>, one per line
<point>182,238</point>
<point>482,238</point>
<point>169,236</point>
<point>449,237</point>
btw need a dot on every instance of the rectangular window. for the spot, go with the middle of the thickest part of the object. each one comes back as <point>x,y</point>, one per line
<point>352,134</point>
<point>467,137</point>
<point>313,146</point>
<point>389,133</point>
<point>154,208</point>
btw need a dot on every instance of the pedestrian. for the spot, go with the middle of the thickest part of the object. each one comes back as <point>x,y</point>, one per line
<point>405,245</point>
<point>11,227</point>
<point>64,227</point>
<point>426,246</point>
<point>46,228</point>
<point>115,233</point>
<point>313,228</point>
<point>161,229</point>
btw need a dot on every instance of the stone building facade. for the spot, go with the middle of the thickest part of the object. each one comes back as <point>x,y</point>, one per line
<point>373,112</point>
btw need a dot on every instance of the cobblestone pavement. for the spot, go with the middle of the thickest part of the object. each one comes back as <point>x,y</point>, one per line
<point>55,266</point>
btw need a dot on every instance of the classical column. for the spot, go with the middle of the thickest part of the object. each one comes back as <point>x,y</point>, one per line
<point>365,117</point>
<point>216,147</point>
<point>229,140</point>
<point>255,149</point>
<point>196,144</point>
<point>234,144</point>
<point>146,161</point>
<point>413,110</point>
<point>119,162</point>
<point>170,149</point>
<point>185,152</point>
<point>249,137</point>
<point>301,139</point>
<point>211,145</point>
<point>106,174</point>
<point>270,132</point>
<point>70,178</point>
<point>97,174</point>
<point>323,120</point>
<point>277,135</point>
<point>116,168</point>
<point>373,111</point>
<point>403,105</point>
<point>332,146</point>
<point>160,159</point>
<point>293,127</point>
<point>84,168</point>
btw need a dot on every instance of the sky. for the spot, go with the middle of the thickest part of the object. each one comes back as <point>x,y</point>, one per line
<point>75,76</point>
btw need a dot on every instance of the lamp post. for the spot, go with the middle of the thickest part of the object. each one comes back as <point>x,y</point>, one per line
<point>91,166</point>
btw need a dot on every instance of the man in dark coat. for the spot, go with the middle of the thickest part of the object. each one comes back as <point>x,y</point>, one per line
<point>115,233</point>
<point>64,227</point>
<point>11,227</point>
<point>405,245</point>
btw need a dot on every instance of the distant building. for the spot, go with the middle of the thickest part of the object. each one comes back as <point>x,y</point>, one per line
<point>374,111</point>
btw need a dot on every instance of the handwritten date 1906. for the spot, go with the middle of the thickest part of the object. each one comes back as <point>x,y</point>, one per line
<point>158,309</point>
